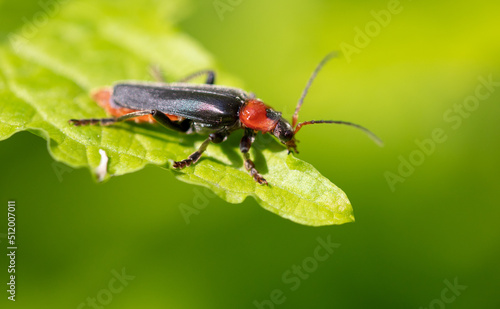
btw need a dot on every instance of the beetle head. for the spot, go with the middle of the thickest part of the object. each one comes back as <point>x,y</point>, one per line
<point>285,133</point>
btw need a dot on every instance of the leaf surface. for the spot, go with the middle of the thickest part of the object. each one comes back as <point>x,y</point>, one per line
<point>47,71</point>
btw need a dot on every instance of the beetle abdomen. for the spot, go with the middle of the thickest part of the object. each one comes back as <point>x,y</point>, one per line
<point>102,96</point>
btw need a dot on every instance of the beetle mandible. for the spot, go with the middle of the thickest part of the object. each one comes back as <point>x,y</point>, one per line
<point>205,109</point>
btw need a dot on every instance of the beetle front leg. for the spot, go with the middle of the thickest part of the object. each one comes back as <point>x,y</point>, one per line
<point>215,138</point>
<point>245,144</point>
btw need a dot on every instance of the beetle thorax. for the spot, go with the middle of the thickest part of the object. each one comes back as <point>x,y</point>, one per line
<point>256,115</point>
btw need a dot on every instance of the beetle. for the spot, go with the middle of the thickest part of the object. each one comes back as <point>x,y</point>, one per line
<point>205,109</point>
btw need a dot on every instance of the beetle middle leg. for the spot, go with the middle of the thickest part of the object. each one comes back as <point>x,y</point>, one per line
<point>245,144</point>
<point>161,118</point>
<point>157,74</point>
<point>215,138</point>
<point>209,73</point>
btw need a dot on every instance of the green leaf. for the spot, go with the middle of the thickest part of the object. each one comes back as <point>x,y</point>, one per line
<point>48,69</point>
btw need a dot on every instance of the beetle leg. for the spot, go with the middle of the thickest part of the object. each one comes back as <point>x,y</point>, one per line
<point>85,122</point>
<point>156,73</point>
<point>245,144</point>
<point>161,118</point>
<point>215,138</point>
<point>107,121</point>
<point>209,73</point>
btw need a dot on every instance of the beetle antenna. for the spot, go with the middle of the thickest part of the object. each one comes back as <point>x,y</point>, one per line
<point>372,135</point>
<point>311,79</point>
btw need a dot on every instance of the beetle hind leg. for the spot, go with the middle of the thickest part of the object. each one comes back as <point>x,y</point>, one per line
<point>107,121</point>
<point>161,118</point>
<point>92,121</point>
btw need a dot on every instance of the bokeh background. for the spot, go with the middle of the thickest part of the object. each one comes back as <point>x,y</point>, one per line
<point>439,225</point>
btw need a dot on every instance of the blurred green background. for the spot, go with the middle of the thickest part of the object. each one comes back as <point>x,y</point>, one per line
<point>410,239</point>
